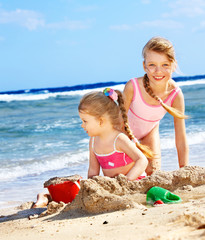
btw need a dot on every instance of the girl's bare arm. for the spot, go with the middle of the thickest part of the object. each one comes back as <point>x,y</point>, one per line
<point>180,133</point>
<point>94,166</point>
<point>128,93</point>
<point>125,145</point>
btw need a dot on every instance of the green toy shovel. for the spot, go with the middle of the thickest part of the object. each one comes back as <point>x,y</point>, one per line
<point>158,195</point>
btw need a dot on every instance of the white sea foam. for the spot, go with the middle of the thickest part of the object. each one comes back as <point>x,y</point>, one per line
<point>84,141</point>
<point>28,97</point>
<point>189,83</point>
<point>192,138</point>
<point>45,95</point>
<point>40,166</point>
<point>43,127</point>
<point>82,92</point>
<point>42,96</point>
<point>196,138</point>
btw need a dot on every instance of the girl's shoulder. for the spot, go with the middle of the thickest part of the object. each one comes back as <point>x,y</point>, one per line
<point>178,101</point>
<point>140,81</point>
<point>172,84</point>
<point>134,79</point>
<point>122,138</point>
<point>175,87</point>
<point>129,86</point>
<point>123,142</point>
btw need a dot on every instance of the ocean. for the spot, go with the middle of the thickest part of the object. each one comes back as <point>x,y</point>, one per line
<point>41,136</point>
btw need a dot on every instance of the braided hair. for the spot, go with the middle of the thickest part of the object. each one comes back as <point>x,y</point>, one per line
<point>173,111</point>
<point>145,149</point>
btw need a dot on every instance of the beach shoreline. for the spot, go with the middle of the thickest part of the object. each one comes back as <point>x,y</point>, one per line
<point>136,220</point>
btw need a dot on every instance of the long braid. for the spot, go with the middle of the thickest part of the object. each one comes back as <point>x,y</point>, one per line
<point>145,149</point>
<point>174,112</point>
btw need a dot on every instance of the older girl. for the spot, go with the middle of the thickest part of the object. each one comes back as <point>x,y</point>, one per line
<point>148,98</point>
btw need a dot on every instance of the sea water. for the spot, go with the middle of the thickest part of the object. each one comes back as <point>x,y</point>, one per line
<point>41,137</point>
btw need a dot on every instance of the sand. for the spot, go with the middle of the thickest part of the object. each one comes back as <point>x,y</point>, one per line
<point>59,180</point>
<point>114,208</point>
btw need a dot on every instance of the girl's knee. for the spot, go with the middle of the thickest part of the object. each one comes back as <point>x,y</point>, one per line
<point>42,200</point>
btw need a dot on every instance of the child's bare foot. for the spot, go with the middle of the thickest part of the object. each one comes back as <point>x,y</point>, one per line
<point>42,200</point>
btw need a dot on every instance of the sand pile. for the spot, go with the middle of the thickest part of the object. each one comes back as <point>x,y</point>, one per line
<point>103,194</point>
<point>80,219</point>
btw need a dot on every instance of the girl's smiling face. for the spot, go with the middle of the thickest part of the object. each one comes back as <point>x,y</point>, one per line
<point>158,67</point>
<point>90,124</point>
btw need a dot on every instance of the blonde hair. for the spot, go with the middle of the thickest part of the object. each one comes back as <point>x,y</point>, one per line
<point>97,104</point>
<point>161,45</point>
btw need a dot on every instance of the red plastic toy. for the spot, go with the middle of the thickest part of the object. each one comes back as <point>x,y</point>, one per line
<point>64,192</point>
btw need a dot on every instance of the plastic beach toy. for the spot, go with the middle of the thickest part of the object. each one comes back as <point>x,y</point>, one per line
<point>63,190</point>
<point>158,195</point>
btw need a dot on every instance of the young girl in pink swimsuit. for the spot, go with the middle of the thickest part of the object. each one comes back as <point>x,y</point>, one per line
<point>113,147</point>
<point>148,98</point>
<point>112,144</point>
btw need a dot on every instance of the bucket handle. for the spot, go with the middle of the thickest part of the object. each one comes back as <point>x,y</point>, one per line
<point>77,184</point>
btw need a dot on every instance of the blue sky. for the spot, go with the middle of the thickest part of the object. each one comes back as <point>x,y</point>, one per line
<point>59,43</point>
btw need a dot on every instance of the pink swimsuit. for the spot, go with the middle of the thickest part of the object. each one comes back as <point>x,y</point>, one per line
<point>142,116</point>
<point>114,159</point>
